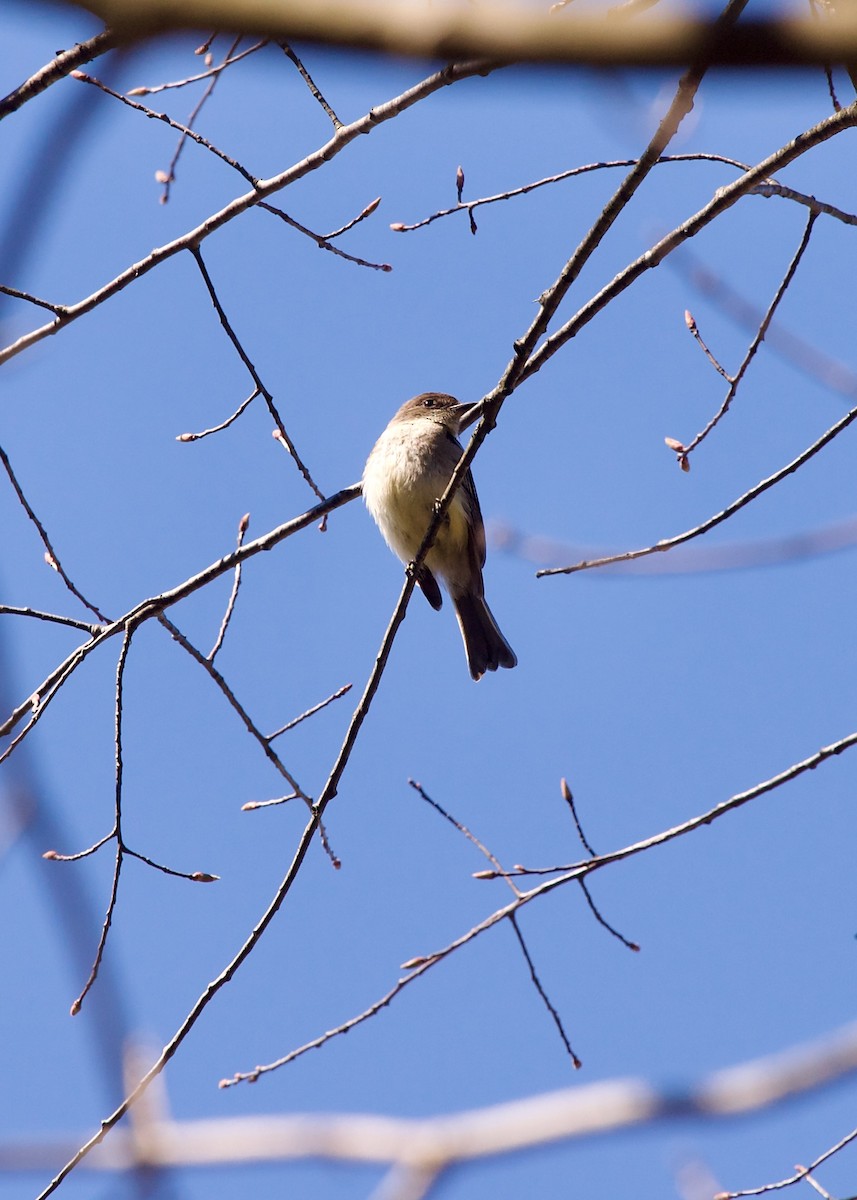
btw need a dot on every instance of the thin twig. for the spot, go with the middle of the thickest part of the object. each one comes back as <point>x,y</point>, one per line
<point>813,1183</point>
<point>690,322</point>
<point>310,712</point>
<point>800,1172</point>
<point>726,556</point>
<point>322,241</point>
<point>85,626</point>
<point>567,796</point>
<point>167,177</point>
<point>252,728</point>
<point>593,907</point>
<point>194,437</point>
<point>184,130</point>
<point>249,724</point>
<point>361,216</point>
<point>117,826</point>
<point>322,1039</point>
<point>51,557</point>
<point>725,513</point>
<point>243,525</point>
<point>242,354</point>
<point>193,876</point>
<point>582,869</point>
<point>605,924</point>
<point>55,856</point>
<point>735,380</point>
<point>771,188</point>
<point>252,805</point>
<point>180,83</point>
<point>524,190</point>
<point>308,80</point>
<point>56,309</point>
<point>527,359</point>
<point>808,359</point>
<point>537,984</point>
<point>471,837</point>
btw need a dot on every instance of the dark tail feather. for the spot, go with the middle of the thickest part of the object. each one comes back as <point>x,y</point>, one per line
<point>484,644</point>
<point>429,585</point>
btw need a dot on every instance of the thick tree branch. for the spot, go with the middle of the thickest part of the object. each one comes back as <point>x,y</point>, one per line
<point>499,33</point>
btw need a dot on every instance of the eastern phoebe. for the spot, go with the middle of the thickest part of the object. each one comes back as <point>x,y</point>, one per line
<point>406,473</point>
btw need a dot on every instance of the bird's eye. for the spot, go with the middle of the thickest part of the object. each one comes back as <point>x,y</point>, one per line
<point>428,402</point>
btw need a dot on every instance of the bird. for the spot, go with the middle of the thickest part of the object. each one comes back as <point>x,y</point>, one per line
<point>405,475</point>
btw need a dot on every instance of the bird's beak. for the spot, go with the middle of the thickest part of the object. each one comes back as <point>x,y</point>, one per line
<point>467,415</point>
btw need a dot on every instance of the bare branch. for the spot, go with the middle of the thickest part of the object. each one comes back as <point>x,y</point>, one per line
<point>560,876</point>
<point>56,309</point>
<point>153,608</point>
<point>58,68</point>
<point>418,788</point>
<point>117,825</point>
<point>249,724</point>
<point>308,80</point>
<point>602,921</point>
<point>807,358</point>
<point>323,242</point>
<point>537,984</point>
<point>723,199</point>
<point>310,712</point>
<point>51,557</point>
<point>212,71</point>
<point>567,796</point>
<point>504,34</point>
<point>85,626</point>
<point>575,1112</point>
<point>690,322</point>
<point>361,216</point>
<point>243,525</point>
<point>818,207</point>
<point>194,237</point>
<point>167,177</point>
<point>800,1172</point>
<point>260,387</point>
<point>573,172</point>
<point>195,437</point>
<point>582,869</point>
<point>193,876</point>
<point>735,380</point>
<point>184,130</point>
<point>688,560</point>
<point>718,518</point>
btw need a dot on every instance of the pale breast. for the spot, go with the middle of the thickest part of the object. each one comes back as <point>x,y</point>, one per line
<point>406,472</point>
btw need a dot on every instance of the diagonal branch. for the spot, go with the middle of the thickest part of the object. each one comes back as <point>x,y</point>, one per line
<point>153,607</point>
<point>266,187</point>
<point>725,513</point>
<point>64,63</point>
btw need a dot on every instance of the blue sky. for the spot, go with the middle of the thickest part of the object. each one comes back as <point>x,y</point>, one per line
<point>656,697</point>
